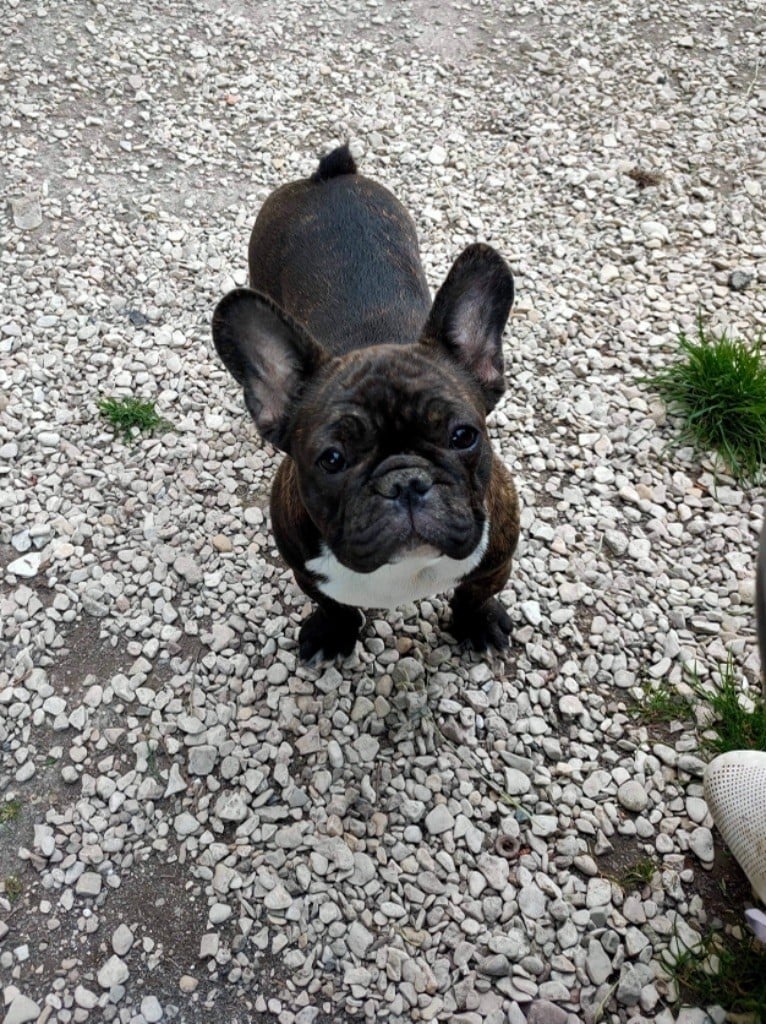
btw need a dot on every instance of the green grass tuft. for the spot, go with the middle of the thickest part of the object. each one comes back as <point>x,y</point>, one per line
<point>127,415</point>
<point>662,704</point>
<point>723,971</point>
<point>736,728</point>
<point>13,887</point>
<point>718,388</point>
<point>9,811</point>
<point>639,874</point>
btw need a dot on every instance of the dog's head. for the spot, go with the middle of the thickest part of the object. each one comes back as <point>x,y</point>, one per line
<point>389,442</point>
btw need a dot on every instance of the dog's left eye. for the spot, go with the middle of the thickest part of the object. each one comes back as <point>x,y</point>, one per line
<point>463,437</point>
<point>331,460</point>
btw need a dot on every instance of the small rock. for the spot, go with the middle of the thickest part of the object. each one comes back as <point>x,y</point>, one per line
<point>151,1009</point>
<point>176,782</point>
<point>701,843</point>
<point>186,567</point>
<point>437,156</point>
<point>122,939</point>
<point>617,542</point>
<point>544,824</point>
<point>596,784</point>
<point>94,604</point>
<point>739,280</point>
<point>278,898</point>
<point>516,782</point>
<point>571,592</point>
<point>541,1011</point>
<point>310,742</point>
<point>585,863</point>
<point>635,941</point>
<point>632,980</point>
<point>85,998</point>
<point>186,824</point>
<point>27,213</point>
<point>25,773</point>
<point>496,966</point>
<point>633,910</point>
<point>220,912</point>
<point>231,807</point>
<point>359,939</point>
<point>222,636</point>
<point>21,542</point>
<point>113,972</point>
<point>495,870</point>
<point>653,229</point>
<point>597,963</point>
<point>189,724</point>
<point>54,706</point>
<point>21,1010</point>
<point>531,612</point>
<point>88,884</point>
<point>692,764</point>
<point>696,808</point>
<point>27,566</point>
<point>532,901</point>
<point>202,759</point>
<point>695,1015</point>
<point>599,893</point>
<point>632,796</point>
<point>570,704</point>
<point>44,840</point>
<point>439,820</point>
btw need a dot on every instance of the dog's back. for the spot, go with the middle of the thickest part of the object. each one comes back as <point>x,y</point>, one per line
<point>339,253</point>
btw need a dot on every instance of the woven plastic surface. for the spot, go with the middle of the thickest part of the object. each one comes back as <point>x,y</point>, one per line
<point>735,790</point>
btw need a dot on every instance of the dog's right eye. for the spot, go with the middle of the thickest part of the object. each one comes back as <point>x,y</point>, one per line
<point>464,437</point>
<point>332,460</point>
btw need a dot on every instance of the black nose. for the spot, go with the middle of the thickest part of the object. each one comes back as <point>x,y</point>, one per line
<point>407,486</point>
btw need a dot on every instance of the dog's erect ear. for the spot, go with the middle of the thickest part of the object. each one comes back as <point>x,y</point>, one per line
<point>469,314</point>
<point>269,354</point>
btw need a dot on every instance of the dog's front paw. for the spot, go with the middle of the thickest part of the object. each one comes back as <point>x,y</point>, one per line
<point>489,625</point>
<point>325,635</point>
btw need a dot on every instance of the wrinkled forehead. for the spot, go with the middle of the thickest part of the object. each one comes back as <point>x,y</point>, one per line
<point>397,382</point>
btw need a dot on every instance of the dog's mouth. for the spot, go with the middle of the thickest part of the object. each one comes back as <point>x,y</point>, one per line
<point>397,533</point>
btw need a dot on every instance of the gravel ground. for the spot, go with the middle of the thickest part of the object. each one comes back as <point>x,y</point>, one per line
<point>197,827</point>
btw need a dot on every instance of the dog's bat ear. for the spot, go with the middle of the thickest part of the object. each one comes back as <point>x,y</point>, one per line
<point>469,314</point>
<point>269,354</point>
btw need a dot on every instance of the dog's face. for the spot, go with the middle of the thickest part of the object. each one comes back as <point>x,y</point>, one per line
<point>389,442</point>
<point>392,455</point>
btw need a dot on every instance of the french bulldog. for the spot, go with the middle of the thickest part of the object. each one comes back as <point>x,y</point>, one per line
<point>390,490</point>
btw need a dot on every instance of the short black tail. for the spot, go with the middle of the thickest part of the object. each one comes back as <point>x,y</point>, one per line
<point>338,161</point>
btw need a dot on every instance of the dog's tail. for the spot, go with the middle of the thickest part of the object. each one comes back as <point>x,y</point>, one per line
<point>332,165</point>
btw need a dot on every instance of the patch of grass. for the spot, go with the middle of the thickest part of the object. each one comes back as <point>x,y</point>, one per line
<point>152,766</point>
<point>9,811</point>
<point>723,970</point>
<point>126,415</point>
<point>662,704</point>
<point>13,887</point>
<point>637,875</point>
<point>718,388</point>
<point>736,728</point>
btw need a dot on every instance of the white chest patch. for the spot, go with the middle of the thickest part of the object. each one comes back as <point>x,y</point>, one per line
<point>420,573</point>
